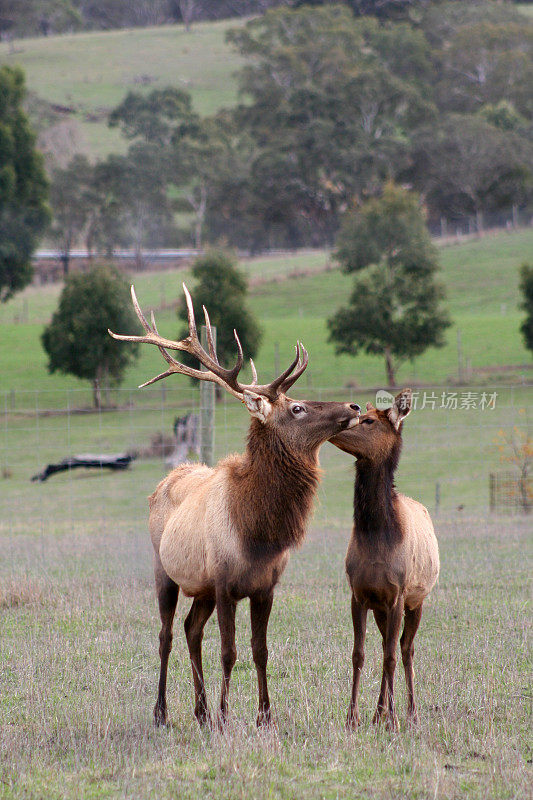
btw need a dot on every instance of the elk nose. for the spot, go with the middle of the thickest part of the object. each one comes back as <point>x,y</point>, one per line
<point>355,407</point>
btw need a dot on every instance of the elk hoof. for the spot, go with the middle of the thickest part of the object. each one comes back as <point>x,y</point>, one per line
<point>352,721</point>
<point>264,718</point>
<point>220,723</point>
<point>160,715</point>
<point>391,723</point>
<point>203,716</point>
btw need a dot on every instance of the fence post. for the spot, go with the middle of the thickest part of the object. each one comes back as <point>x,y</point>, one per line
<point>492,491</point>
<point>460,374</point>
<point>207,408</point>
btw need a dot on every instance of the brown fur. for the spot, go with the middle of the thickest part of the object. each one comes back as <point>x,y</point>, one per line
<point>224,533</point>
<point>392,561</point>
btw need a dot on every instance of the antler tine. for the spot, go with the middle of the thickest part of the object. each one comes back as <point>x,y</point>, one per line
<point>278,386</point>
<point>190,313</point>
<point>279,381</point>
<point>227,378</point>
<point>139,312</point>
<point>254,373</point>
<point>240,358</point>
<point>168,358</point>
<point>300,368</point>
<point>210,342</point>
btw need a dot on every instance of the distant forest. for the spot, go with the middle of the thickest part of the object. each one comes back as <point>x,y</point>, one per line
<point>48,17</point>
<point>335,103</point>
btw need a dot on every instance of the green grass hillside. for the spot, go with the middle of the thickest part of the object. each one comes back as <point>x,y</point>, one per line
<point>289,308</point>
<point>91,72</point>
<point>481,279</point>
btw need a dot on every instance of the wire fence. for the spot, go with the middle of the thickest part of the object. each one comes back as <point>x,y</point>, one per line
<point>454,441</point>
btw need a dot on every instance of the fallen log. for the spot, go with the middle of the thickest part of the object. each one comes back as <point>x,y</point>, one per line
<point>87,460</point>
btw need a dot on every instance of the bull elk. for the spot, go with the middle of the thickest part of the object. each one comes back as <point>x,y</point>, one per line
<point>222,534</point>
<point>392,561</point>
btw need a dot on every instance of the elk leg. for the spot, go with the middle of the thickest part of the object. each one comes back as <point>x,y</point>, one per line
<point>359,613</point>
<point>167,596</point>
<point>260,608</point>
<point>201,610</point>
<point>226,621</point>
<point>381,622</point>
<point>394,623</point>
<point>410,627</point>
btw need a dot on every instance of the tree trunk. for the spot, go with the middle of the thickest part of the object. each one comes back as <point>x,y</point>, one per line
<point>139,262</point>
<point>65,260</point>
<point>97,398</point>
<point>390,368</point>
<point>523,487</point>
<point>186,8</point>
<point>200,209</point>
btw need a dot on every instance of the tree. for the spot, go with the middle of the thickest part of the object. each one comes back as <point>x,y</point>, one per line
<point>526,287</point>
<point>202,162</point>
<point>187,9</point>
<point>394,307</point>
<point>38,16</point>
<point>464,166</point>
<point>222,288</point>
<point>76,340</point>
<point>72,200</point>
<point>24,214</point>
<point>196,154</point>
<point>481,53</point>
<point>383,9</point>
<point>132,206</point>
<point>158,117</point>
<point>516,448</point>
<point>330,113</point>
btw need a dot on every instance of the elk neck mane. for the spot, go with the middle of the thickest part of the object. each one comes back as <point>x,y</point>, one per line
<point>271,491</point>
<point>375,508</point>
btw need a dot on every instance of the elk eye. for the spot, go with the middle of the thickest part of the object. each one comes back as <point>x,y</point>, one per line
<point>367,421</point>
<point>297,409</point>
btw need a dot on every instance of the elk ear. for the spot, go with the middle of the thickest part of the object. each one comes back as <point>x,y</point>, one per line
<point>400,408</point>
<point>369,406</point>
<point>258,406</point>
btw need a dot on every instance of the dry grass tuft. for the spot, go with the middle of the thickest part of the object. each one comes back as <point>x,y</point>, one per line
<point>22,591</point>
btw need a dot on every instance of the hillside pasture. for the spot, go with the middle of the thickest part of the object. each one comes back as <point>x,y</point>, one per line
<point>90,73</point>
<point>78,612</point>
<point>293,296</point>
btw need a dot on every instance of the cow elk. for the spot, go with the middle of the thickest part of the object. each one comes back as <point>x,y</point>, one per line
<point>392,561</point>
<point>222,534</point>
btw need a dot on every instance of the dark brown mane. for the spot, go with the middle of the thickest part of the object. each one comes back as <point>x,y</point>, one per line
<point>272,491</point>
<point>375,515</point>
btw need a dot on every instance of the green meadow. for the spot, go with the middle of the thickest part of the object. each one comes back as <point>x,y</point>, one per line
<point>78,614</point>
<point>91,72</point>
<point>293,296</point>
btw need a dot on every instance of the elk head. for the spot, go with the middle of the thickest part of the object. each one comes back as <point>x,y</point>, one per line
<point>300,424</point>
<point>377,434</point>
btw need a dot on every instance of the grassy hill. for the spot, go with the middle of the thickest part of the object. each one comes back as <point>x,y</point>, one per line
<point>91,72</point>
<point>481,279</point>
<point>462,449</point>
<point>526,8</point>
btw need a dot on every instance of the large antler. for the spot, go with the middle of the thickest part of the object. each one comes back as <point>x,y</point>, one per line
<point>226,378</point>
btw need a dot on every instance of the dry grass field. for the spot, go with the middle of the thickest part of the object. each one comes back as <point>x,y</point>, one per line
<point>79,663</point>
<point>78,618</point>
